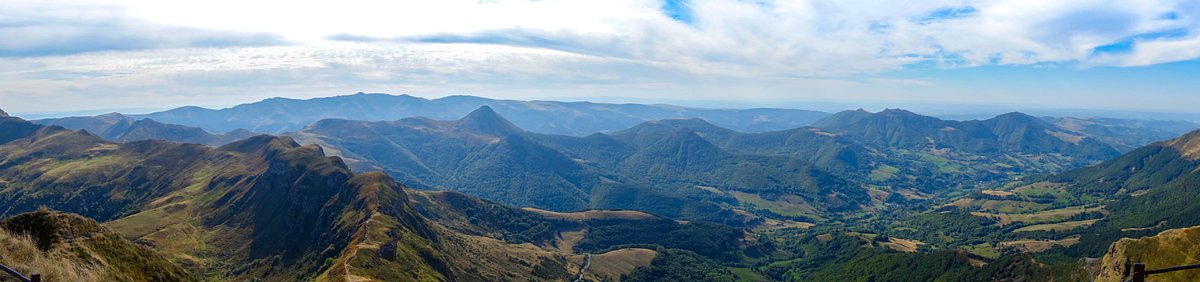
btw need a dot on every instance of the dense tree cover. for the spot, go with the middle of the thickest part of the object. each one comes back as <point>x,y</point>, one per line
<point>680,265</point>
<point>705,238</point>
<point>517,226</point>
<point>839,257</point>
<point>951,228</point>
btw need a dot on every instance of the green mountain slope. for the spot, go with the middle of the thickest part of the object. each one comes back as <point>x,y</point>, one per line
<point>1082,212</point>
<point>482,154</point>
<point>642,168</point>
<point>1012,132</point>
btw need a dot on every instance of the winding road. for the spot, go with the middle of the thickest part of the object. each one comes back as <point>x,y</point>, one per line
<point>587,261</point>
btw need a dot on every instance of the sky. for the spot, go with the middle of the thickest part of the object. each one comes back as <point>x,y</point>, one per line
<point>141,55</point>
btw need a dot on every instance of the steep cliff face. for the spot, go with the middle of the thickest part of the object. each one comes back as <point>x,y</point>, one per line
<point>1170,248</point>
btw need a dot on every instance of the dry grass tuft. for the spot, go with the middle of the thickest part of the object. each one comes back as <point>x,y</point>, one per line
<point>20,252</point>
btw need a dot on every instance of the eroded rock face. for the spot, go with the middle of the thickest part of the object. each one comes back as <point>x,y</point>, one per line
<point>1170,248</point>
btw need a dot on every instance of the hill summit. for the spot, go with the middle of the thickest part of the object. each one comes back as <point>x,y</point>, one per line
<point>486,120</point>
<point>1188,145</point>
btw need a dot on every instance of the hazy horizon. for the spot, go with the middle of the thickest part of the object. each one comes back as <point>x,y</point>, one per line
<point>956,111</point>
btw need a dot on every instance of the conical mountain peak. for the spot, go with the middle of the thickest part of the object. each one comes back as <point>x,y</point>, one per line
<point>486,120</point>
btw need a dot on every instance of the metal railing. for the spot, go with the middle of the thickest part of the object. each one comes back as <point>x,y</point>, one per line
<point>1139,271</point>
<point>32,277</point>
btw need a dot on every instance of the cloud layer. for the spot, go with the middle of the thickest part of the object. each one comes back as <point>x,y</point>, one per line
<point>49,28</point>
<point>149,53</point>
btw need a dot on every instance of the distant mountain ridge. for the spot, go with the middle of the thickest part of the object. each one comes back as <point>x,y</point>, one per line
<point>120,128</point>
<point>898,128</point>
<point>277,115</point>
<point>1125,134</point>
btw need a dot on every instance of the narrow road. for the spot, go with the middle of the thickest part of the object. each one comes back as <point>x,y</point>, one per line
<point>587,261</point>
<point>1087,265</point>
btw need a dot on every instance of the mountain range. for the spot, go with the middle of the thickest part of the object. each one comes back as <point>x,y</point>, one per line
<point>1124,134</point>
<point>270,209</point>
<point>120,128</point>
<point>692,169</point>
<point>481,198</point>
<point>278,115</point>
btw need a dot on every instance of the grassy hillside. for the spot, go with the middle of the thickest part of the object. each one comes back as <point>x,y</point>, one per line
<point>1169,248</point>
<point>69,247</point>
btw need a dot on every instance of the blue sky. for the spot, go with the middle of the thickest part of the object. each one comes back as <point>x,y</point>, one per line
<point>67,55</point>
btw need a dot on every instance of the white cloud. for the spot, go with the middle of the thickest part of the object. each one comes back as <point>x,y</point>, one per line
<point>554,48</point>
<point>810,38</point>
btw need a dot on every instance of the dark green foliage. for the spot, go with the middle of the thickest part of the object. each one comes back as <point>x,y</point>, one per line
<point>896,128</point>
<point>488,218</point>
<point>551,269</point>
<point>680,203</point>
<point>1143,168</point>
<point>680,265</point>
<point>1168,180</point>
<point>959,226</point>
<point>849,258</point>
<point>707,239</point>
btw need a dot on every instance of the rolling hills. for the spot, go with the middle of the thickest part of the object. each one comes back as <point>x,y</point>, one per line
<point>1124,134</point>
<point>484,155</point>
<point>693,169</point>
<point>270,209</point>
<point>1008,197</point>
<point>120,128</point>
<point>278,115</point>
<point>1089,211</point>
